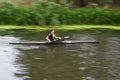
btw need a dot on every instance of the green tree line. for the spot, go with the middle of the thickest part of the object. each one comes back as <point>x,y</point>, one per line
<point>50,13</point>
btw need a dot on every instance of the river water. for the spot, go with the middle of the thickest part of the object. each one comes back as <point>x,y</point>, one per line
<point>60,62</point>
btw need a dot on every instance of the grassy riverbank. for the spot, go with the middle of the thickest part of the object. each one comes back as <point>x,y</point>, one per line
<point>62,27</point>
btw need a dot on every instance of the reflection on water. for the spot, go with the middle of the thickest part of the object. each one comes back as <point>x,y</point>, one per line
<point>61,62</point>
<point>7,57</point>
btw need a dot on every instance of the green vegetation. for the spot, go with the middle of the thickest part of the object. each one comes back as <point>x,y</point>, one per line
<point>50,13</point>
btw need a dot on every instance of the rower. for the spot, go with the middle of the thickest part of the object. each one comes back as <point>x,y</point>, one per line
<point>52,37</point>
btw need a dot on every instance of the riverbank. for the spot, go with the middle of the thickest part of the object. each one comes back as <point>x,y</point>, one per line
<point>62,27</point>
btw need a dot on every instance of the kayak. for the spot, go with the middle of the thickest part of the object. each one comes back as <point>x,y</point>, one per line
<point>56,42</point>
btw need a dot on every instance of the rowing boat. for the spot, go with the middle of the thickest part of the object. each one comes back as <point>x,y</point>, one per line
<point>56,42</point>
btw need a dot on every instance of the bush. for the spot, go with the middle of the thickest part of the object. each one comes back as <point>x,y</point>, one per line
<point>6,13</point>
<point>96,15</point>
<point>50,13</point>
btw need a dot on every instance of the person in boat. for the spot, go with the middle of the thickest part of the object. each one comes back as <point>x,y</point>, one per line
<point>52,37</point>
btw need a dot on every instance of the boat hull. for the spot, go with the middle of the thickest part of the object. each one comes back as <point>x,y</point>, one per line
<point>57,42</point>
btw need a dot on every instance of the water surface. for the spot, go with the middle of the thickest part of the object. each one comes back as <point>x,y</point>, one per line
<point>60,62</point>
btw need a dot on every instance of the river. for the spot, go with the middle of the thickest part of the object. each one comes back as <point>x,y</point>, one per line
<point>60,62</point>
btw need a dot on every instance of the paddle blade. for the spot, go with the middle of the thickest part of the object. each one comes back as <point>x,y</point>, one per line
<point>66,37</point>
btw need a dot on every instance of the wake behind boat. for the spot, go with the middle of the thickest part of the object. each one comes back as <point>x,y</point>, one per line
<point>56,42</point>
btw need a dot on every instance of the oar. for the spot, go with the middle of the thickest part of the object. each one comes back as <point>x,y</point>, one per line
<point>66,37</point>
<point>63,38</point>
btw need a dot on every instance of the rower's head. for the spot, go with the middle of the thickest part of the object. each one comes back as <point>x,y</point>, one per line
<point>52,31</point>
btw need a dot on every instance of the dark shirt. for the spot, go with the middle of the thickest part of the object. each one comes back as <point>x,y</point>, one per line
<point>51,37</point>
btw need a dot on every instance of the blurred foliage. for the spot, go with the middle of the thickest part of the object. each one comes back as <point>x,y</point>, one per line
<point>50,13</point>
<point>105,2</point>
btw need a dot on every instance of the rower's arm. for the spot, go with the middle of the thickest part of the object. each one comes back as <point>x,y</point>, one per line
<point>56,36</point>
<point>48,39</point>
